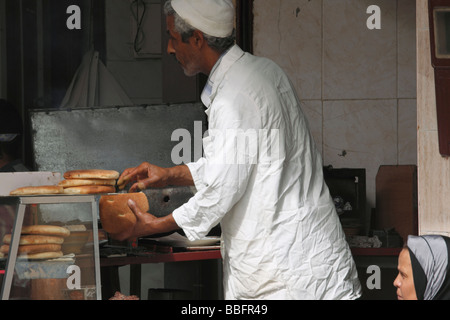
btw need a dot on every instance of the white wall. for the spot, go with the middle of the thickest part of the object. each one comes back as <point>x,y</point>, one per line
<point>433,170</point>
<point>358,86</point>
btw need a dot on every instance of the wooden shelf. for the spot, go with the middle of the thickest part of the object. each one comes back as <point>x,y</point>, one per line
<point>376,251</point>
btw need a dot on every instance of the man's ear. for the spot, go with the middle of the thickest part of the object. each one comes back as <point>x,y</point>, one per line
<point>198,39</point>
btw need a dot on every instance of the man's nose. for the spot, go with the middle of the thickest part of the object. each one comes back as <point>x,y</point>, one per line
<point>397,282</point>
<point>170,49</point>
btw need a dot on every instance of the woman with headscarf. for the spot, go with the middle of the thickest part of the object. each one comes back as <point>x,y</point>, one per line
<point>424,271</point>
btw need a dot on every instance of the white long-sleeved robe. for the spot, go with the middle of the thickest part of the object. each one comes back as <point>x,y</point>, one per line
<point>261,178</point>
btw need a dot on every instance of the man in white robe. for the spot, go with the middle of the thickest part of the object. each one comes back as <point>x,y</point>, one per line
<point>261,176</point>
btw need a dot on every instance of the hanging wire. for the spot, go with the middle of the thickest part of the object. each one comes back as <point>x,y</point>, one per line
<point>138,16</point>
<point>91,39</point>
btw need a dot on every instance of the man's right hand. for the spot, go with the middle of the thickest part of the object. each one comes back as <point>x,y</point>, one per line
<point>144,176</point>
<point>147,176</point>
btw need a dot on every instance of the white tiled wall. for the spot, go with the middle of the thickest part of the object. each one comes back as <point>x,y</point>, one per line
<point>433,170</point>
<point>358,86</point>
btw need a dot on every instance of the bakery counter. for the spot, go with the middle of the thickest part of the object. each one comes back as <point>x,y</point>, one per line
<point>184,269</point>
<point>85,266</point>
<point>161,258</point>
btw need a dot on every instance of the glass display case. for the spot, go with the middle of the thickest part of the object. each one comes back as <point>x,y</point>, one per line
<point>49,248</point>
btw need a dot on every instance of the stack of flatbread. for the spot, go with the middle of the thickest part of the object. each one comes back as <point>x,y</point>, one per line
<point>94,181</point>
<point>38,242</point>
<point>89,181</point>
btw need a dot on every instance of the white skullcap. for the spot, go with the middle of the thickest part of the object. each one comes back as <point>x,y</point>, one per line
<point>213,17</point>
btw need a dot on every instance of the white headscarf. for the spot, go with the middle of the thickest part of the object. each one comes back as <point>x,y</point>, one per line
<point>213,17</point>
<point>429,260</point>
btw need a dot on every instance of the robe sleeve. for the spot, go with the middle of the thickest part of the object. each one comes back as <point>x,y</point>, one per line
<point>222,175</point>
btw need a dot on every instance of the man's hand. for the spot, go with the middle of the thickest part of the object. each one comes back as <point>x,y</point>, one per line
<point>150,176</point>
<point>145,176</point>
<point>146,224</point>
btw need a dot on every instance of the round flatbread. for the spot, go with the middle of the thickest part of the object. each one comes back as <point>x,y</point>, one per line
<point>39,190</point>
<point>115,214</point>
<point>90,190</point>
<point>86,182</point>
<point>46,230</point>
<point>92,174</point>
<point>34,239</point>
<point>35,248</point>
